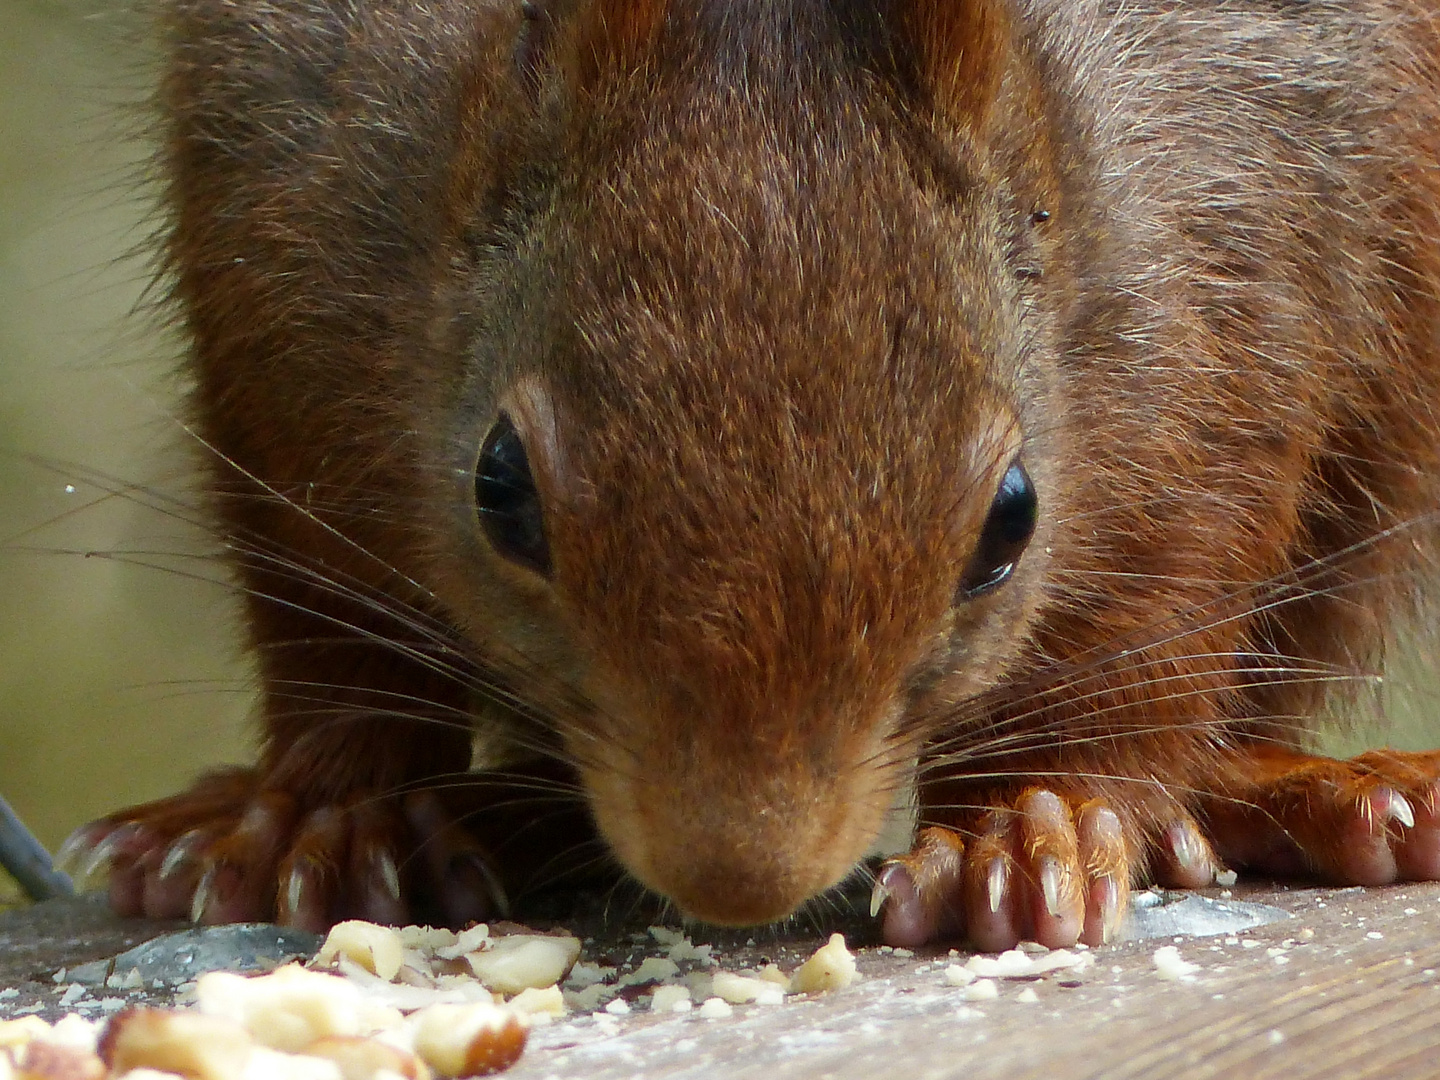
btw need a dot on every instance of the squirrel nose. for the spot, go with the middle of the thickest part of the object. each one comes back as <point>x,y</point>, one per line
<point>735,892</point>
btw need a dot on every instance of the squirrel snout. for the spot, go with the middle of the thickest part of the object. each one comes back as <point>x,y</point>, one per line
<point>735,846</point>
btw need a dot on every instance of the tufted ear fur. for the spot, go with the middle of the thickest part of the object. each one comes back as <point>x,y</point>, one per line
<point>960,50</point>
<point>615,36</point>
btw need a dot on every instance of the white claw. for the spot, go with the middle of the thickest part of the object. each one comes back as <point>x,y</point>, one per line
<point>1398,807</point>
<point>995,884</point>
<point>202,895</point>
<point>294,891</point>
<point>179,852</point>
<point>878,895</point>
<point>98,862</point>
<point>389,873</point>
<point>1050,876</point>
<point>1185,845</point>
<point>73,852</point>
<point>1110,913</point>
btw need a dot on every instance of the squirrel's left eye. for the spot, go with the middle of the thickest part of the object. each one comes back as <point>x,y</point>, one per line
<point>1007,531</point>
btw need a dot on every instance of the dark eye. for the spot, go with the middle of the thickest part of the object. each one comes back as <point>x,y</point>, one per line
<point>507,500</point>
<point>1007,531</point>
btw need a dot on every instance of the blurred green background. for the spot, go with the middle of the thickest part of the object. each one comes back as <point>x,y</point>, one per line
<point>118,682</point>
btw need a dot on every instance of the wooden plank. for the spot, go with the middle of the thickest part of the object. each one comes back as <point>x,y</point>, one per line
<point>1315,995</point>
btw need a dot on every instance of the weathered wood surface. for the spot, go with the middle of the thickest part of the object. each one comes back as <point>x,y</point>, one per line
<point>1338,1003</point>
<point>1348,987</point>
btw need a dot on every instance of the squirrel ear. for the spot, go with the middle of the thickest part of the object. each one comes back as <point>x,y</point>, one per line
<point>960,50</point>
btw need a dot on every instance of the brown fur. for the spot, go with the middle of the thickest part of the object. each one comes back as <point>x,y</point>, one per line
<point>961,50</point>
<point>771,293</point>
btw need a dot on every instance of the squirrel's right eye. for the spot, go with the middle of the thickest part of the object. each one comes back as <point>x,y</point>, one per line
<point>508,501</point>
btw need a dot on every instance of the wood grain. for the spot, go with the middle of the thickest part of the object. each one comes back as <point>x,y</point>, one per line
<point>1347,988</point>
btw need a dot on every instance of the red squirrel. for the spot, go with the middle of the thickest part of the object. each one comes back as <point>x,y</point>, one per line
<point>650,433</point>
